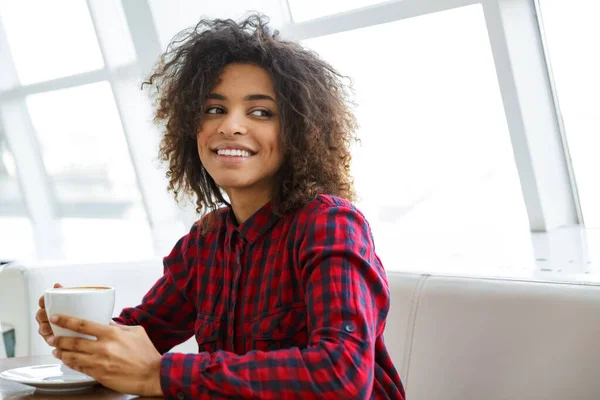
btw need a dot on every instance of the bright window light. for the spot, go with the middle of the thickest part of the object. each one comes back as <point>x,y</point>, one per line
<point>50,39</point>
<point>11,200</point>
<point>86,157</point>
<point>84,150</point>
<point>16,238</point>
<point>571,29</point>
<point>16,233</point>
<point>303,10</point>
<point>8,167</point>
<point>169,20</point>
<point>435,172</point>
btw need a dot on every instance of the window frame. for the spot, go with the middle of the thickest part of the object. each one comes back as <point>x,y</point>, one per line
<point>165,218</point>
<point>538,140</point>
<point>516,38</point>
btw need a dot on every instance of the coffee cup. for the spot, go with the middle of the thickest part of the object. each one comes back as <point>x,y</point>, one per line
<point>92,303</point>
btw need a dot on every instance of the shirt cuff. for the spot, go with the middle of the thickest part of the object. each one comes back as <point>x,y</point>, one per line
<point>172,372</point>
<point>119,321</point>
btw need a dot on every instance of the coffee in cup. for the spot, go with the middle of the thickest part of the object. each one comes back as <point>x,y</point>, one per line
<point>92,303</point>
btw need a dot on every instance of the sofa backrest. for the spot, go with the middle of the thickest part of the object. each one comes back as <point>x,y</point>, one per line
<point>494,339</point>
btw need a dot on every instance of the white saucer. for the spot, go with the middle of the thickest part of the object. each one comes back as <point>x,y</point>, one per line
<point>50,378</point>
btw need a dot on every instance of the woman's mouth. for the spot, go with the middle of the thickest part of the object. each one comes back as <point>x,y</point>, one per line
<point>233,153</point>
<point>233,156</point>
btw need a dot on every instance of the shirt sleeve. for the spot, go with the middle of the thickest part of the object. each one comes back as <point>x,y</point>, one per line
<point>347,297</point>
<point>165,312</point>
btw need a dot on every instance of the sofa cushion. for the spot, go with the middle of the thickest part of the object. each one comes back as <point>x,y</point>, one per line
<point>404,292</point>
<point>498,339</point>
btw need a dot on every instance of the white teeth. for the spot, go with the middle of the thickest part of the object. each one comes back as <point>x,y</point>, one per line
<point>233,153</point>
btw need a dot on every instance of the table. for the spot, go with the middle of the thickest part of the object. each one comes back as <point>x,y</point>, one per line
<point>13,390</point>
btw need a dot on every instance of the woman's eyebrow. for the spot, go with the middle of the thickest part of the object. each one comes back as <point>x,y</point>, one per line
<point>216,96</point>
<point>250,97</point>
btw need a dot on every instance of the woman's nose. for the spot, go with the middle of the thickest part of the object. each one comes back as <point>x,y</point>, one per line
<point>233,124</point>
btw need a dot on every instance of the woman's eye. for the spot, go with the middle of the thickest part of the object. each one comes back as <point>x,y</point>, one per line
<point>214,110</point>
<point>261,113</point>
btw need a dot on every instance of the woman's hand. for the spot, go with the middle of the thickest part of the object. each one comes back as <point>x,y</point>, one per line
<point>45,330</point>
<point>122,358</point>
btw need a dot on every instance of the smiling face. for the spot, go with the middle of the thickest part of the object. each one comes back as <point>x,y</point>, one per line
<point>238,142</point>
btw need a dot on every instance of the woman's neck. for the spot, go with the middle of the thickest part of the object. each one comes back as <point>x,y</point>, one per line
<point>245,204</point>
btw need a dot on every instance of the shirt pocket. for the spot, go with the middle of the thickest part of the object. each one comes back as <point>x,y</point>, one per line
<point>208,333</point>
<point>282,328</point>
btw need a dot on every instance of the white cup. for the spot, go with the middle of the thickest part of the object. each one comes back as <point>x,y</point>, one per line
<point>92,303</point>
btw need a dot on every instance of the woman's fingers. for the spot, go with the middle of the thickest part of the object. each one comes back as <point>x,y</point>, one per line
<point>45,329</point>
<point>80,325</point>
<point>41,316</point>
<point>41,301</point>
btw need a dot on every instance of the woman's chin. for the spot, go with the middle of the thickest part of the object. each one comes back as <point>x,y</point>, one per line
<point>234,184</point>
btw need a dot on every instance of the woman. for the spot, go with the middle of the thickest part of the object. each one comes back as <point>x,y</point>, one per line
<point>281,287</point>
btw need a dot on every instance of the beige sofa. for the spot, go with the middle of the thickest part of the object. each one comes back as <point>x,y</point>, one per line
<point>450,337</point>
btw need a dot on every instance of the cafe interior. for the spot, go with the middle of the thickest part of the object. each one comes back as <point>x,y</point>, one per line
<point>479,134</point>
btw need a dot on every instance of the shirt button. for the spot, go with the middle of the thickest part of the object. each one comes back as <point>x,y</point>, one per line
<point>349,328</point>
<point>180,395</point>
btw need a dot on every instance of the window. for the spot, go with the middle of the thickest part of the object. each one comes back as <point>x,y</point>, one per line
<point>435,172</point>
<point>84,150</point>
<point>16,235</point>
<point>303,10</point>
<point>572,31</point>
<point>41,39</point>
<point>16,238</point>
<point>11,202</point>
<point>170,20</point>
<point>64,98</point>
<point>86,157</point>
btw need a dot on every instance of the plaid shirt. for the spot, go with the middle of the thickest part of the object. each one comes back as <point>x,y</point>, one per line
<point>281,307</point>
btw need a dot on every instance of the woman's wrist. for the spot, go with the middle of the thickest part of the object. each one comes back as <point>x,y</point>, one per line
<point>153,387</point>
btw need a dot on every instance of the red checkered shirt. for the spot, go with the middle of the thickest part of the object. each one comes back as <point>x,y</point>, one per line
<point>282,307</point>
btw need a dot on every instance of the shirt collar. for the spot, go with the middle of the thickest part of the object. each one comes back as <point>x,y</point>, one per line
<point>254,227</point>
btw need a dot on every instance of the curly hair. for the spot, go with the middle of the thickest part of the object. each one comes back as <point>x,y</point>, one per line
<point>317,124</point>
